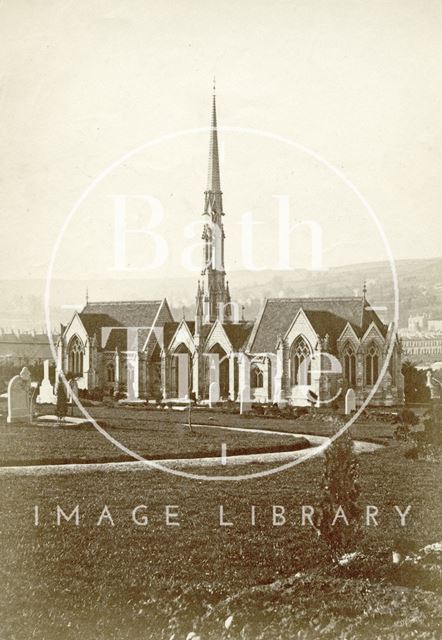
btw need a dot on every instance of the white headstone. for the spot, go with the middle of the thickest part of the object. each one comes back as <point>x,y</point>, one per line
<point>19,397</point>
<point>350,402</point>
<point>213,393</point>
<point>73,390</point>
<point>244,400</point>
<point>46,394</point>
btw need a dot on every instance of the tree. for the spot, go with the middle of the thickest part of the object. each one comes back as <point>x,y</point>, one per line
<point>415,388</point>
<point>340,495</point>
<point>61,408</point>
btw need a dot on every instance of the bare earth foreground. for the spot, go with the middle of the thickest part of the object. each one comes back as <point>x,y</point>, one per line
<point>159,581</point>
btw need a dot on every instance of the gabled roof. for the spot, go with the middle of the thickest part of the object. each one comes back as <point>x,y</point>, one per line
<point>93,322</point>
<point>327,315</point>
<point>169,332</point>
<point>325,322</point>
<point>238,334</point>
<point>139,313</point>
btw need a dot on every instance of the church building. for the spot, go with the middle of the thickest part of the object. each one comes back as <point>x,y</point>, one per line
<point>298,351</point>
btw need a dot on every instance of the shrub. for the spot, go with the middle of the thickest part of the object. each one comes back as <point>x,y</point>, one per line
<point>407,416</point>
<point>286,412</point>
<point>230,406</point>
<point>61,408</point>
<point>340,489</point>
<point>97,395</point>
<point>405,420</point>
<point>301,411</point>
<point>427,443</point>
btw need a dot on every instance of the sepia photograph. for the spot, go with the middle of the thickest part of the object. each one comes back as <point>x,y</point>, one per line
<point>221,320</point>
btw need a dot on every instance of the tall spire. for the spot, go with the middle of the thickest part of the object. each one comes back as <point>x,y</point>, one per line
<point>213,194</point>
<point>213,297</point>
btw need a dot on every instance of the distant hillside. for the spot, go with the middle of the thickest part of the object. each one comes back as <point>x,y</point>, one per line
<point>420,285</point>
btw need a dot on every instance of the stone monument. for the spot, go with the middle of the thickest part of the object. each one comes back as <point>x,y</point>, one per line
<point>20,397</point>
<point>46,394</point>
<point>431,384</point>
<point>350,402</point>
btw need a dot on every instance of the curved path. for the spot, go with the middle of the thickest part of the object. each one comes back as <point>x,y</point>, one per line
<point>135,465</point>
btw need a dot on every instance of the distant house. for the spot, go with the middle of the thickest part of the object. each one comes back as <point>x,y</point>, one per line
<point>421,347</point>
<point>23,349</point>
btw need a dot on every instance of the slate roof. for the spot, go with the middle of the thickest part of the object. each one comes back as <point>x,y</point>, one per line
<point>169,331</point>
<point>327,315</point>
<point>137,313</point>
<point>238,334</point>
<point>97,315</point>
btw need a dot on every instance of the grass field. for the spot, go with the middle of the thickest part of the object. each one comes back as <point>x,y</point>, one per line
<point>158,434</point>
<point>152,434</point>
<point>161,582</point>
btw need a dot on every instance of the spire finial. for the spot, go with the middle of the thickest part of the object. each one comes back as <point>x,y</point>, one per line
<point>87,295</point>
<point>213,178</point>
<point>364,288</point>
<point>214,86</point>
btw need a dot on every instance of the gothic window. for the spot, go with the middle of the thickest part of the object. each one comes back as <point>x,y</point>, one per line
<point>301,362</point>
<point>110,373</point>
<point>256,378</point>
<point>350,365</point>
<point>371,365</point>
<point>76,355</point>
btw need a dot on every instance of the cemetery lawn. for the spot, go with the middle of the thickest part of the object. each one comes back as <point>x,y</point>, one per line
<point>128,582</point>
<point>161,434</point>
<point>151,433</point>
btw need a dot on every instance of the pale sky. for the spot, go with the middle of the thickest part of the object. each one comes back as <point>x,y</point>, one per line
<point>83,82</point>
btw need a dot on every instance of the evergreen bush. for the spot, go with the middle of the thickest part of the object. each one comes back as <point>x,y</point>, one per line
<point>340,491</point>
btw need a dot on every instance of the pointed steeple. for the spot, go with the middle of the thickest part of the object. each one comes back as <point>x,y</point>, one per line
<point>213,296</point>
<point>213,195</point>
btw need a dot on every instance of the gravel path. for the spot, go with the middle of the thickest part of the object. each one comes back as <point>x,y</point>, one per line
<point>135,465</point>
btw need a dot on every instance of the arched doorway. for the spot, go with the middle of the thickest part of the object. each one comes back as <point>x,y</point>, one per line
<point>217,371</point>
<point>180,373</point>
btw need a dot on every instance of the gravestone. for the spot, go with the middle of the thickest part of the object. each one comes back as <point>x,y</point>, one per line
<point>72,394</point>
<point>19,397</point>
<point>387,384</point>
<point>434,390</point>
<point>350,402</point>
<point>245,404</point>
<point>46,394</point>
<point>213,393</point>
<point>73,390</point>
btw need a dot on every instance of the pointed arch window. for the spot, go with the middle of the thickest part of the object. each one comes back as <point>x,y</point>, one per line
<point>110,372</point>
<point>301,362</point>
<point>256,377</point>
<point>371,365</point>
<point>76,356</point>
<point>350,365</point>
